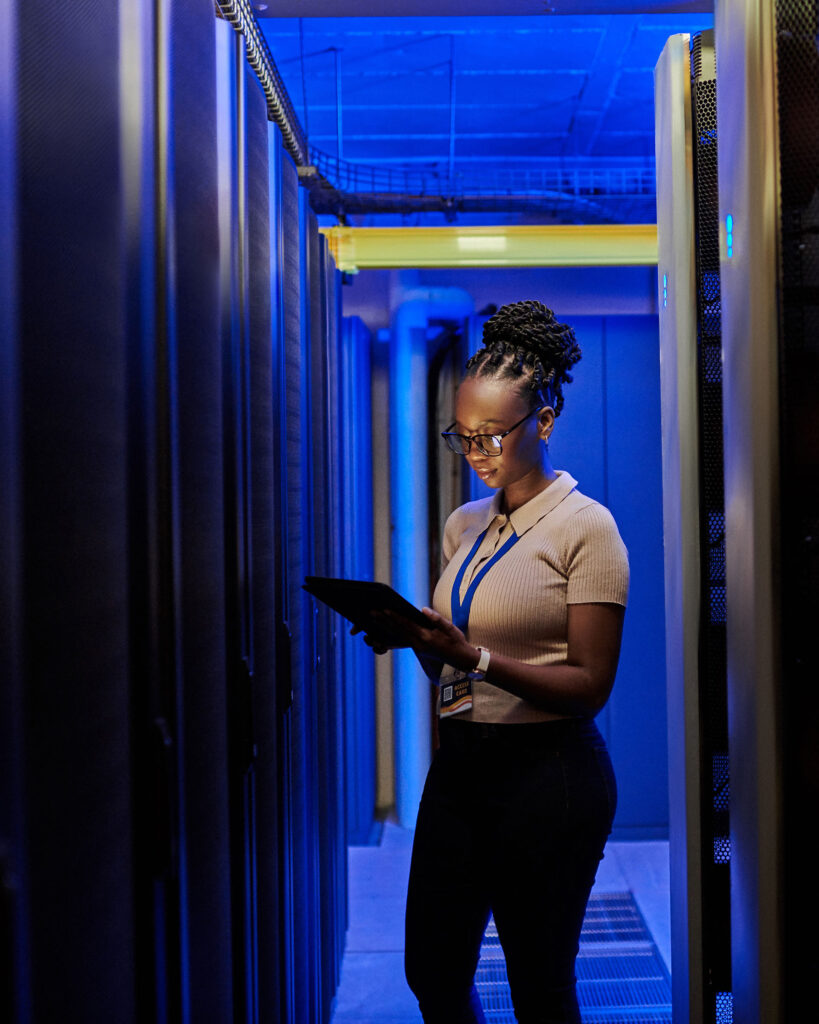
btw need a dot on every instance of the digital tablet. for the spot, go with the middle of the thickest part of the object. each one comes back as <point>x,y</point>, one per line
<point>356,600</point>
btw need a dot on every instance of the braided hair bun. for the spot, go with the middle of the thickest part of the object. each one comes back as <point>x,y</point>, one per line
<point>523,342</point>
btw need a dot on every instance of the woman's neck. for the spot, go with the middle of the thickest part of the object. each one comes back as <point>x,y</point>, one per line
<point>523,490</point>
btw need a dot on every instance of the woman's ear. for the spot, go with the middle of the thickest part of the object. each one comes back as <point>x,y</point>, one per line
<point>545,421</point>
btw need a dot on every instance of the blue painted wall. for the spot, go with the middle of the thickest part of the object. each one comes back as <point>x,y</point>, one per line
<point>609,438</point>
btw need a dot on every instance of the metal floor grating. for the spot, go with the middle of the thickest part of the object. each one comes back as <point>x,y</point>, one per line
<point>621,977</point>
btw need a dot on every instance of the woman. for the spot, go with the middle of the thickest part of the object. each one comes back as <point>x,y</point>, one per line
<point>528,613</point>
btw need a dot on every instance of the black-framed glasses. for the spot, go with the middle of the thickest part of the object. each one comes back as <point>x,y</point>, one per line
<point>487,444</point>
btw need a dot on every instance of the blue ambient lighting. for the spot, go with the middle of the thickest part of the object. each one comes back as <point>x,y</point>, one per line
<point>729,235</point>
<point>469,123</point>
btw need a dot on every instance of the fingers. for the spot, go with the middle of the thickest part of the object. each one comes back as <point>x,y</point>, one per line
<point>410,627</point>
<point>378,646</point>
<point>435,639</point>
<point>442,625</point>
<point>397,625</point>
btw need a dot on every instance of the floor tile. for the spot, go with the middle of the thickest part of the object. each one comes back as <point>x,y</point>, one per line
<point>373,989</point>
<point>377,924</point>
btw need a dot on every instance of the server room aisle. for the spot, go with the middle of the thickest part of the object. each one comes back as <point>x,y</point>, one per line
<point>623,968</point>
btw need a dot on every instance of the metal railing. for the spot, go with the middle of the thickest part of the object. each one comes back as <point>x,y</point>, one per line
<point>339,186</point>
<point>280,110</point>
<point>347,177</point>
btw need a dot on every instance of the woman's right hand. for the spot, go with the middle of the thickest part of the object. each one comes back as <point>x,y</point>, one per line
<point>430,663</point>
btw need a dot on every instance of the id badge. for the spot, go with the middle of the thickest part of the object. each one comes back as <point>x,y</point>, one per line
<point>455,690</point>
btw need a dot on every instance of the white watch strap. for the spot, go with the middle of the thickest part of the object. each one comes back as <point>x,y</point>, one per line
<point>483,663</point>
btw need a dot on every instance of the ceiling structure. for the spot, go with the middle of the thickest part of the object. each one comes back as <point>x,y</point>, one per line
<point>556,107</point>
<point>471,8</point>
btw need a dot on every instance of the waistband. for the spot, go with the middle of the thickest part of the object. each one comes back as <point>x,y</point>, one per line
<point>558,732</point>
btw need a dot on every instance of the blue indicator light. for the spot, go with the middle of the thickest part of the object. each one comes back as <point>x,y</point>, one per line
<point>729,223</point>
<point>729,235</point>
<point>665,290</point>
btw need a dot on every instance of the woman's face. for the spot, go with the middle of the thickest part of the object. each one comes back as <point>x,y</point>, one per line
<point>486,406</point>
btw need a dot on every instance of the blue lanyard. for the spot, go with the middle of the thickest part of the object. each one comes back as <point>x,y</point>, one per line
<point>461,609</point>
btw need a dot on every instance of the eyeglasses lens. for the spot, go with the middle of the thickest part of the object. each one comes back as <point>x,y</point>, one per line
<point>487,444</point>
<point>457,444</point>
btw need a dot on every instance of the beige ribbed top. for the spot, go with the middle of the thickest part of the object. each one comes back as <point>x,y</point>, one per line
<point>569,552</point>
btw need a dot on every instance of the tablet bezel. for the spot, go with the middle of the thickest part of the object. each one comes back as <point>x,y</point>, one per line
<point>356,600</point>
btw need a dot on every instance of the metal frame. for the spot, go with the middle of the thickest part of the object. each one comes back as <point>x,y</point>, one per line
<point>749,191</point>
<point>678,362</point>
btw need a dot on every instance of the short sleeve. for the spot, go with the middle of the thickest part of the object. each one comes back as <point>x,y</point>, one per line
<point>596,558</point>
<point>452,534</point>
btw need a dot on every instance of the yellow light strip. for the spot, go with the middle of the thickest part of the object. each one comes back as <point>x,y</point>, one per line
<point>513,245</point>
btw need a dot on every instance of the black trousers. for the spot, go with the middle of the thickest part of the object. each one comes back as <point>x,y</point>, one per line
<point>512,822</point>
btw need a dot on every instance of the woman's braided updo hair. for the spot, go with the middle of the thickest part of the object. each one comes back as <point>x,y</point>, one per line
<point>523,342</point>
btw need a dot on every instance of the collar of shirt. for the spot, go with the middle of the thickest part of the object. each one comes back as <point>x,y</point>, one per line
<point>525,517</point>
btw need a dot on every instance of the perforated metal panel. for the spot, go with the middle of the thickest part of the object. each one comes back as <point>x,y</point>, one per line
<point>621,978</point>
<point>715,797</point>
<point>797,23</point>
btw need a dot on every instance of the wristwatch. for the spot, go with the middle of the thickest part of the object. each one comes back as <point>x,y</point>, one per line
<point>479,671</point>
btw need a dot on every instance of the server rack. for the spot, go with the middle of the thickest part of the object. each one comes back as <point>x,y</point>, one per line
<point>797,62</point>
<point>164,702</point>
<point>769,116</point>
<point>690,331</point>
<point>768,183</point>
<point>69,389</point>
<point>715,769</point>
